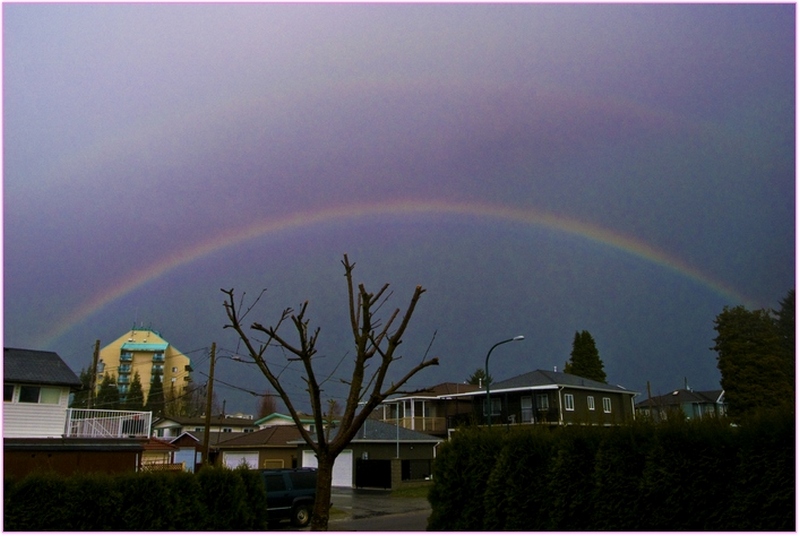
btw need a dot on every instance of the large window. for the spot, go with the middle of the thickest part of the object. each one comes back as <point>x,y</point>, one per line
<point>590,402</point>
<point>526,405</point>
<point>569,402</point>
<point>542,402</point>
<point>606,405</point>
<point>8,392</point>
<point>495,406</point>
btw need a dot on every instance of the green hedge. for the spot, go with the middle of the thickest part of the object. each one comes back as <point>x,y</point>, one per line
<point>682,475</point>
<point>214,499</point>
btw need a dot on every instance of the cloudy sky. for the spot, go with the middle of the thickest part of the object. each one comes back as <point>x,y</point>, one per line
<point>540,169</point>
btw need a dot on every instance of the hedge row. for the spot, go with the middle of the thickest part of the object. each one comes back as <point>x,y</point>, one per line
<point>674,476</point>
<point>215,499</point>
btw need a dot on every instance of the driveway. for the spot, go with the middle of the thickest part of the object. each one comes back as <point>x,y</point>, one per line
<point>361,503</point>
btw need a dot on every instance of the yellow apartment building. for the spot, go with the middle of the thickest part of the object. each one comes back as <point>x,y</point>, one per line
<point>143,350</point>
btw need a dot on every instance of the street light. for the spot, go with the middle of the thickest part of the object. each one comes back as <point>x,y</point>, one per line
<point>486,374</point>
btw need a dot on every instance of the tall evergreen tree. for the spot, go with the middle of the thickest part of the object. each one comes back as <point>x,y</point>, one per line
<point>81,398</point>
<point>757,371</point>
<point>585,360</point>
<point>479,378</point>
<point>155,398</point>
<point>134,399</point>
<point>108,394</point>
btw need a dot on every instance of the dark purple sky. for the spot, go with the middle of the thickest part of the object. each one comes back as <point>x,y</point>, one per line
<point>541,169</point>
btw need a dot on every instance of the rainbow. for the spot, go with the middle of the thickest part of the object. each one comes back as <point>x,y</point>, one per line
<point>354,212</point>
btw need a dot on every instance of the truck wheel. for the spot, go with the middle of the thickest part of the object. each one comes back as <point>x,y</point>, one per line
<point>301,515</point>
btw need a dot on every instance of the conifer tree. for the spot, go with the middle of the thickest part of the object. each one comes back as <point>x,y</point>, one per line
<point>585,360</point>
<point>155,398</point>
<point>134,400</point>
<point>479,378</point>
<point>108,395</point>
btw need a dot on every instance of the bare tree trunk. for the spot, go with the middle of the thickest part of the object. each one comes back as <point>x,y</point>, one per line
<point>322,504</point>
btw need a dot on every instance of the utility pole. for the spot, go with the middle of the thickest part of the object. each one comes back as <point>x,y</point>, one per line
<point>93,383</point>
<point>210,390</point>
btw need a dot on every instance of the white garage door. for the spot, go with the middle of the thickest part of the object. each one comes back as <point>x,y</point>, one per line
<point>232,460</point>
<point>342,467</point>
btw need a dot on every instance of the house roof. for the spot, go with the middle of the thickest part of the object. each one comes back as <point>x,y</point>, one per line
<point>545,379</point>
<point>201,421</point>
<point>280,416</point>
<point>144,347</point>
<point>442,389</point>
<point>683,396</point>
<point>37,366</point>
<point>74,444</point>
<point>156,444</point>
<point>272,436</point>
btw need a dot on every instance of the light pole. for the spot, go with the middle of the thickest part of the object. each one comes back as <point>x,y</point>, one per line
<point>486,378</point>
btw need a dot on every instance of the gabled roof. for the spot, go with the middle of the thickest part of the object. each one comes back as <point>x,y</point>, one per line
<point>201,421</point>
<point>684,396</point>
<point>272,436</point>
<point>156,444</point>
<point>37,366</point>
<point>442,389</point>
<point>308,419</point>
<point>545,379</point>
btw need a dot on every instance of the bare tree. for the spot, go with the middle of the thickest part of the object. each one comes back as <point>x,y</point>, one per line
<point>266,405</point>
<point>375,342</point>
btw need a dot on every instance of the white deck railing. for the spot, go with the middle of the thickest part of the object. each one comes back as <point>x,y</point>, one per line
<point>107,423</point>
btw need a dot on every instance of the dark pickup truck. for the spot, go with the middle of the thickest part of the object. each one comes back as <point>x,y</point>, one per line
<point>290,494</point>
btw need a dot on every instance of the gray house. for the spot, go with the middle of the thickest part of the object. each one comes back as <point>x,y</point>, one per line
<point>693,404</point>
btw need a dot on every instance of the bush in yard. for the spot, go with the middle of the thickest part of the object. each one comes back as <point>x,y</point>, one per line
<point>37,502</point>
<point>256,515</point>
<point>225,497</point>
<point>570,482</point>
<point>459,480</point>
<point>764,490</point>
<point>93,503</point>
<point>619,463</point>
<point>516,496</point>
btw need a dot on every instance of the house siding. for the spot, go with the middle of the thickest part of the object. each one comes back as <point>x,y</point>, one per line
<point>35,420</point>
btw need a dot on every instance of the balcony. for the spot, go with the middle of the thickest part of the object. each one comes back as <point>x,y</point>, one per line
<point>125,357</point>
<point>421,424</point>
<point>158,358</point>
<point>108,423</point>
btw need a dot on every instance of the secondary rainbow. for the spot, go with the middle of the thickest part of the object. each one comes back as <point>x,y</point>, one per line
<point>354,212</point>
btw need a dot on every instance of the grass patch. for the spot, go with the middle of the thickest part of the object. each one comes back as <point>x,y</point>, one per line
<point>414,492</point>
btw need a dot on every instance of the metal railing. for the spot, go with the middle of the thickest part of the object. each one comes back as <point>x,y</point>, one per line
<point>107,423</point>
<point>420,424</point>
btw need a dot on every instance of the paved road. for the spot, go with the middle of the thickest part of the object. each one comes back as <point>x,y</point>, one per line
<point>408,522</point>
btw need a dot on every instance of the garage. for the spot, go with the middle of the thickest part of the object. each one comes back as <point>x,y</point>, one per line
<point>342,467</point>
<point>234,459</point>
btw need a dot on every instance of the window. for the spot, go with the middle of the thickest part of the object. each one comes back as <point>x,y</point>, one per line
<point>495,406</point>
<point>526,405</point>
<point>542,402</point>
<point>590,402</point>
<point>606,405</point>
<point>8,392</point>
<point>29,394</point>
<point>569,402</point>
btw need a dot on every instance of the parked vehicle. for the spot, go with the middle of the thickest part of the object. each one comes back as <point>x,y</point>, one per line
<point>290,494</point>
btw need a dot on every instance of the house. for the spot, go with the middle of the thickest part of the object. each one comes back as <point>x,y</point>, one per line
<point>432,410</point>
<point>692,404</point>
<point>556,398</point>
<point>279,419</point>
<point>272,447</point>
<point>169,427</point>
<point>41,432</point>
<point>145,351</point>
<point>380,455</point>
<point>159,455</point>
<point>36,388</point>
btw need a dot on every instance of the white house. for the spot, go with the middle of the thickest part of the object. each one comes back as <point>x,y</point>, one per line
<point>36,387</point>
